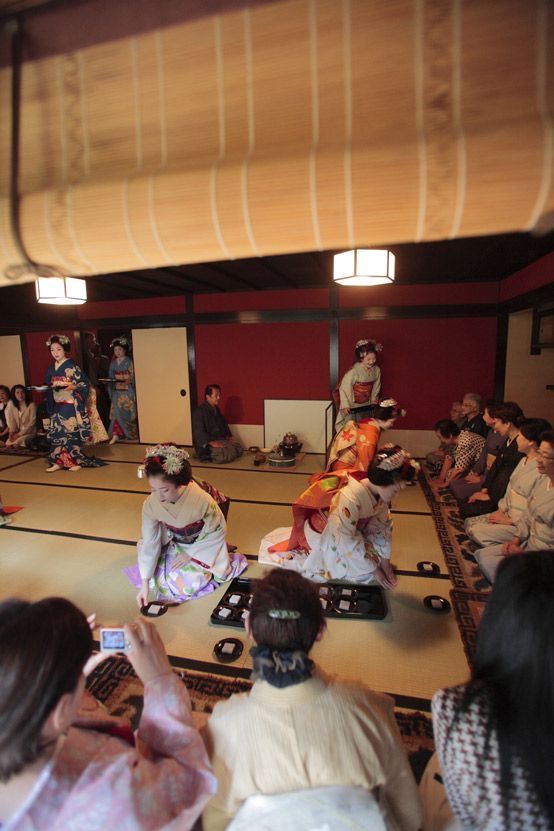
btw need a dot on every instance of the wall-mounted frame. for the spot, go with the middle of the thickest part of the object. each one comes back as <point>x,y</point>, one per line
<point>542,332</point>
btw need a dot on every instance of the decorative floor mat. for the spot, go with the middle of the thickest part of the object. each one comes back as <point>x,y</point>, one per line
<point>456,545</point>
<point>468,607</point>
<point>116,686</point>
<point>22,451</point>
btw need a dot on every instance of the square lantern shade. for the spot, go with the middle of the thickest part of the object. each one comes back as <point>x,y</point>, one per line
<point>61,291</point>
<point>364,267</point>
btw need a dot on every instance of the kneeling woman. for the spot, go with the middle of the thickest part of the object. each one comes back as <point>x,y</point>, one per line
<point>353,541</point>
<point>182,553</point>
<point>354,446</point>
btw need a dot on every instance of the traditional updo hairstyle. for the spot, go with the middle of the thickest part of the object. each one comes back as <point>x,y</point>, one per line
<point>386,410</point>
<point>154,468</point>
<point>285,590</point>
<point>381,471</point>
<point>28,398</point>
<point>65,343</point>
<point>364,346</point>
<point>43,649</point>
<point>123,342</point>
<point>533,428</point>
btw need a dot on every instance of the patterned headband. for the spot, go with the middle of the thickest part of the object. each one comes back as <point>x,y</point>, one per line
<point>122,341</point>
<point>284,614</point>
<point>171,458</point>
<point>401,461</point>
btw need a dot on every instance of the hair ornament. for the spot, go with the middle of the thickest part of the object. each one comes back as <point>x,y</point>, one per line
<point>171,458</point>
<point>373,345</point>
<point>122,341</point>
<point>63,339</point>
<point>284,614</point>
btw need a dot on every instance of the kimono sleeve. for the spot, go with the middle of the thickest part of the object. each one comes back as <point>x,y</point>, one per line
<point>378,531</point>
<point>11,417</point>
<point>523,525</point>
<point>345,390</point>
<point>343,534</point>
<point>150,546</point>
<point>376,388</point>
<point>200,434</point>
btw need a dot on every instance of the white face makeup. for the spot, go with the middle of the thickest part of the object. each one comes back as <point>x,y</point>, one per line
<point>369,360</point>
<point>57,351</point>
<point>164,490</point>
<point>118,351</point>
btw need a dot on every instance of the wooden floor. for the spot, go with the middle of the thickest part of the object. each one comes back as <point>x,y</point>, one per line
<point>78,531</point>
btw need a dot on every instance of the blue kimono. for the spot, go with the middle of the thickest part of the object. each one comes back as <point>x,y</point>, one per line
<point>123,411</point>
<point>69,422</point>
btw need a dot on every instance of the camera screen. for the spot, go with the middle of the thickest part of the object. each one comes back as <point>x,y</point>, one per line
<point>113,639</point>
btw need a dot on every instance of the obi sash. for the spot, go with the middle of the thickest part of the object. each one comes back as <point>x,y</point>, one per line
<point>186,535</point>
<point>362,391</point>
<point>122,378</point>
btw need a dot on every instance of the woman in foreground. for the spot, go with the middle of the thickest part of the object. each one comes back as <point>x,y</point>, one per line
<point>494,734</point>
<point>299,729</point>
<point>59,773</point>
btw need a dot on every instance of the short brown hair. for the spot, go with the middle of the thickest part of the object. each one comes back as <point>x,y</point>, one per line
<point>286,590</point>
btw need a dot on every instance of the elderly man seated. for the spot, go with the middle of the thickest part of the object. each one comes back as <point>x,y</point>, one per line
<point>211,436</point>
<point>473,417</point>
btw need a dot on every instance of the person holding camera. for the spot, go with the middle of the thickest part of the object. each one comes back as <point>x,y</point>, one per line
<point>63,770</point>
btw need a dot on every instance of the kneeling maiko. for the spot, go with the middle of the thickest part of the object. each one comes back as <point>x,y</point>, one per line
<point>183,553</point>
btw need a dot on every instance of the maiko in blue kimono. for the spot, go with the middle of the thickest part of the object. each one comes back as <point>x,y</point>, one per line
<point>69,429</point>
<point>123,411</point>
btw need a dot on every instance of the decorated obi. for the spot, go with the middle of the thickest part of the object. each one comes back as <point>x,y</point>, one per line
<point>186,535</point>
<point>59,387</point>
<point>122,378</point>
<point>361,391</point>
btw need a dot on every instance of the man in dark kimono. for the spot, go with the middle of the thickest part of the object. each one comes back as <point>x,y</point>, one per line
<point>211,436</point>
<point>473,418</point>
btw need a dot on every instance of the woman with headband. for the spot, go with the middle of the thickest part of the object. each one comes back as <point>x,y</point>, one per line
<point>298,729</point>
<point>182,553</point>
<point>361,385</point>
<point>351,539</point>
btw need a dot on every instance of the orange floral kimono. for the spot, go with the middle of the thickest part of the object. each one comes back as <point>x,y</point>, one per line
<point>354,446</point>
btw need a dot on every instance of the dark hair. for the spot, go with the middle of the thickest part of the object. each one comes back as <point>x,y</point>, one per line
<point>547,436</point>
<point>407,472</point>
<point>154,468</point>
<point>125,346</point>
<point>283,589</point>
<point>447,428</point>
<point>15,402</point>
<point>491,406</point>
<point>509,412</point>
<point>65,346</point>
<point>210,388</point>
<point>43,649</point>
<point>6,389</point>
<point>364,349</point>
<point>385,413</point>
<point>514,668</point>
<point>533,428</point>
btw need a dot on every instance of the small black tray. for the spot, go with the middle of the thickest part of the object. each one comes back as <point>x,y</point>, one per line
<point>350,601</point>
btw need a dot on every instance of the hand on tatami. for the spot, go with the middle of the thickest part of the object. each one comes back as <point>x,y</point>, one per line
<point>500,518</point>
<point>385,575</point>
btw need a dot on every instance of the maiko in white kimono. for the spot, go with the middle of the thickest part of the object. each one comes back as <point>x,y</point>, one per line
<point>183,552</point>
<point>356,537</point>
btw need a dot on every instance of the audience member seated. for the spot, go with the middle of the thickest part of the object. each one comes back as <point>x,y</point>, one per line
<point>494,734</point>
<point>534,530</point>
<point>342,525</point>
<point>4,401</point>
<point>473,419</point>
<point>297,728</point>
<point>436,457</point>
<point>485,501</point>
<point>499,526</point>
<point>465,486</point>
<point>354,446</point>
<point>211,437</point>
<point>60,769</point>
<point>21,415</point>
<point>466,449</point>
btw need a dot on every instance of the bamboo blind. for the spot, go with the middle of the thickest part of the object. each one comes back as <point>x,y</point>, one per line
<point>300,125</point>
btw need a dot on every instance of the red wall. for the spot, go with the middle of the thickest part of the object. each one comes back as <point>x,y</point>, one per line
<point>534,276</point>
<point>262,360</point>
<point>38,354</point>
<point>427,363</point>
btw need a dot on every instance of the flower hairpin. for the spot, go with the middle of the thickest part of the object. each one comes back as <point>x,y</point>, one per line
<point>63,339</point>
<point>378,347</point>
<point>122,341</point>
<point>171,458</point>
